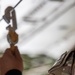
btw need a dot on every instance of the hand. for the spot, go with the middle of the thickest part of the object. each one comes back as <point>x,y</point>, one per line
<point>11,61</point>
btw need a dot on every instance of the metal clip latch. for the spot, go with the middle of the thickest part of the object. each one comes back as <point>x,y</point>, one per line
<point>12,36</point>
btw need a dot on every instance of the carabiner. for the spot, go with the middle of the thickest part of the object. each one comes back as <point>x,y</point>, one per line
<point>9,16</point>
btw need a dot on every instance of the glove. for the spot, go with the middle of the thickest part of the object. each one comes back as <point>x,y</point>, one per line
<point>11,61</point>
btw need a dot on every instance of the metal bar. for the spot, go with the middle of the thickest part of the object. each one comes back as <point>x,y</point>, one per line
<point>16,5</point>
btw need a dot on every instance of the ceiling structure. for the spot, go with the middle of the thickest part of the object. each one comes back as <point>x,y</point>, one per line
<point>44,27</point>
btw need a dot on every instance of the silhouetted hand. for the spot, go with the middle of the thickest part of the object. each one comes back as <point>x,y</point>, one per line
<point>11,60</point>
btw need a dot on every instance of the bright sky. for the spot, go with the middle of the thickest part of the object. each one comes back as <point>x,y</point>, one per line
<point>48,41</point>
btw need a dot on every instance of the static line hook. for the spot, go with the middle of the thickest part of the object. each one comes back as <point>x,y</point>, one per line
<point>12,9</point>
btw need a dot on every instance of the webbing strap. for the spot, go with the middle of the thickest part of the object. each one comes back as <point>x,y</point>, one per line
<point>68,67</point>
